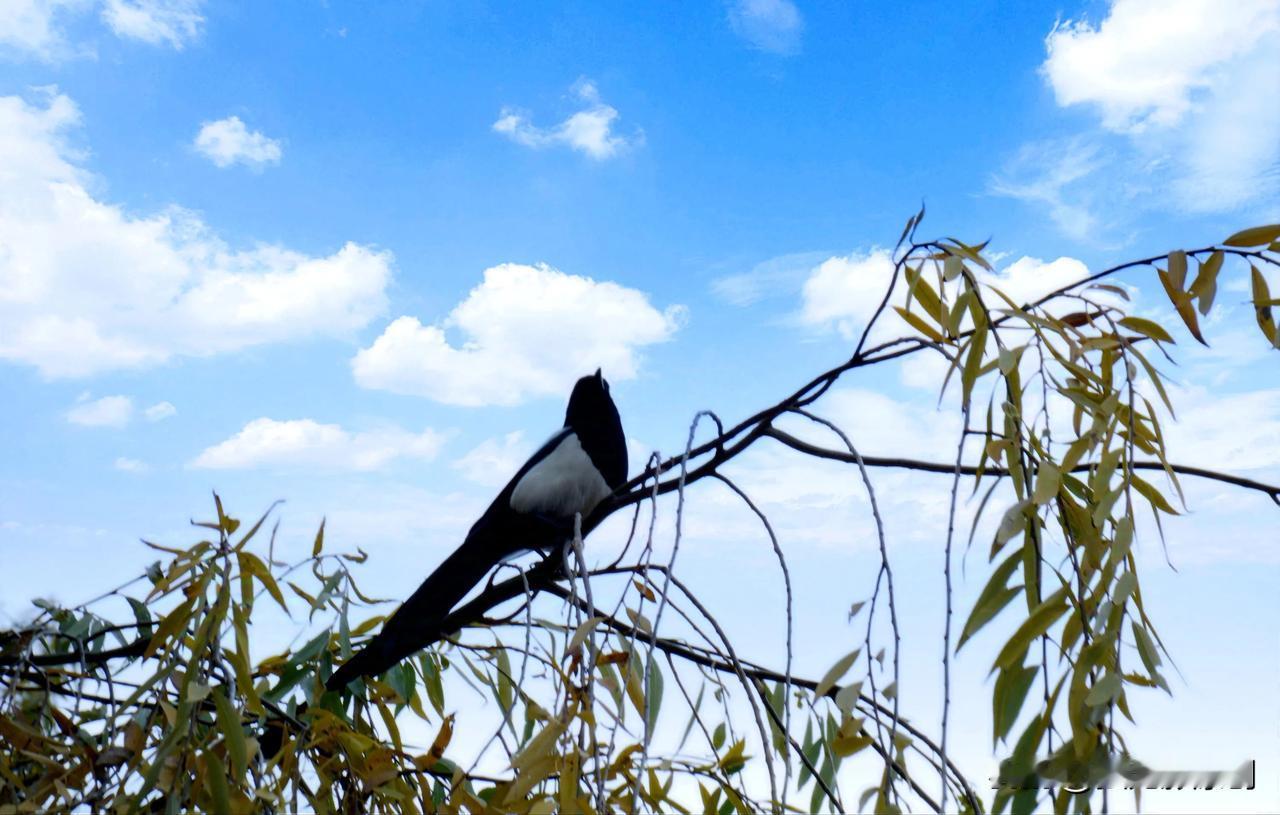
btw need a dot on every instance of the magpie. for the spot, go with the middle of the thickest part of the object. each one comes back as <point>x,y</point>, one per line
<point>576,469</point>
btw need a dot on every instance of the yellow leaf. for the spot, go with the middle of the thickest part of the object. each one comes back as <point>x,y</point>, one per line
<point>442,739</point>
<point>254,565</point>
<point>925,295</point>
<point>1178,268</point>
<point>568,782</point>
<point>1205,286</point>
<point>1147,327</point>
<point>1047,481</point>
<point>640,621</point>
<point>581,633</point>
<point>973,362</point>
<point>1153,495</point>
<point>172,623</point>
<point>1182,302</point>
<point>918,323</point>
<point>645,591</point>
<point>1254,236</point>
<point>952,267</point>
<point>845,746</point>
<point>735,759</point>
<point>1262,295</point>
<point>832,676</point>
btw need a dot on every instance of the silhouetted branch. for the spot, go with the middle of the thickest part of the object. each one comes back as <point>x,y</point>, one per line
<point>800,445</point>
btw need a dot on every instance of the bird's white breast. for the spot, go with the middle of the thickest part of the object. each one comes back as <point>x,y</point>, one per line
<point>564,482</point>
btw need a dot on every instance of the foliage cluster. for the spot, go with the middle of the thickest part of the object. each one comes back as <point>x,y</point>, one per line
<point>156,697</point>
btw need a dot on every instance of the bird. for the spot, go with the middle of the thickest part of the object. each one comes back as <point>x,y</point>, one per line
<point>578,467</point>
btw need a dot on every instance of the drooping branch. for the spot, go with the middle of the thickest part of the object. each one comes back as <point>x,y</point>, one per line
<point>746,668</point>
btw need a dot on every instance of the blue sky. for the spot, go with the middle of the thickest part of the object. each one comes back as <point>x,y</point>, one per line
<point>353,255</point>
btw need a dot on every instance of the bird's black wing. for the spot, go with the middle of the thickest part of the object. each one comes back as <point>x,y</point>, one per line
<point>499,533</point>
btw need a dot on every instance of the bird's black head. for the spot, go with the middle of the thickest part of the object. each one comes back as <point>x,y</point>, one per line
<point>594,418</point>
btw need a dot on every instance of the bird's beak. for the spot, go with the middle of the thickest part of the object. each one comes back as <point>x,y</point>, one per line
<point>598,375</point>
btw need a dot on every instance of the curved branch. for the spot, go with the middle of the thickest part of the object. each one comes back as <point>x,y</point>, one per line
<point>743,668</point>
<point>1270,490</point>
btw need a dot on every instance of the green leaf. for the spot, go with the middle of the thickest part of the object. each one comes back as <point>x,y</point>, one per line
<point>216,775</point>
<point>173,622</point>
<point>1116,290</point>
<point>1146,648</point>
<point>1103,691</point>
<point>838,670</point>
<point>693,717</point>
<point>1146,327</point>
<point>1153,495</point>
<point>653,694</point>
<point>580,634</point>
<point>1010,692</point>
<point>1014,521</point>
<point>318,546</point>
<point>142,615</point>
<point>253,565</point>
<point>1036,623</point>
<point>1254,236</point>
<point>506,692</point>
<point>232,734</point>
<point>431,678</point>
<point>254,529</point>
<point>994,597</point>
<point>1124,587</point>
<point>847,697</point>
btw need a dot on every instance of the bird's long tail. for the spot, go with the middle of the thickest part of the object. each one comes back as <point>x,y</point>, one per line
<point>416,624</point>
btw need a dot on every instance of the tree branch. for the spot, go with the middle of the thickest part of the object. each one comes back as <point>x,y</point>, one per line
<point>800,445</point>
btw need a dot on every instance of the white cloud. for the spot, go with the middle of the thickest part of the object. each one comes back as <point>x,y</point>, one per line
<point>527,331</point>
<point>37,27</point>
<point>1028,279</point>
<point>1190,83</point>
<point>159,411</point>
<point>1224,431</point>
<point>131,465</point>
<point>1144,64</point>
<point>770,25</point>
<point>109,411</point>
<point>588,131</point>
<point>842,293</point>
<point>306,443</point>
<point>493,461</point>
<point>1060,176</point>
<point>87,287</point>
<point>227,142</point>
<point>34,26</point>
<point>156,22</point>
<point>825,503</point>
<point>780,275</point>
